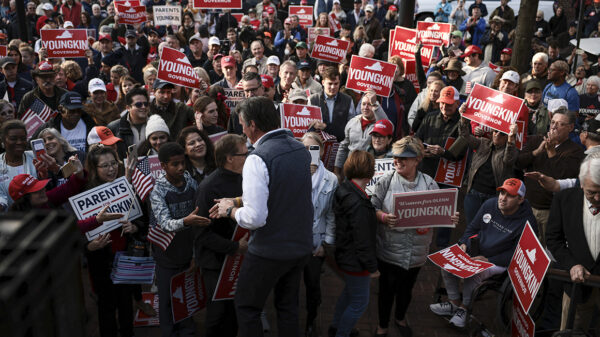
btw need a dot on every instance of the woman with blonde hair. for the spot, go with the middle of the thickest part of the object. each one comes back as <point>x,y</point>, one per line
<point>429,103</point>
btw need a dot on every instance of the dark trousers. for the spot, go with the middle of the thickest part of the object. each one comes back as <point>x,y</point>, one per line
<point>114,300</point>
<point>394,283</point>
<point>473,201</point>
<point>186,327</point>
<point>258,276</point>
<point>312,283</point>
<point>220,315</point>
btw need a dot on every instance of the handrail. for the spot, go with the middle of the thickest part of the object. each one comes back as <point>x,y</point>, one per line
<point>563,275</point>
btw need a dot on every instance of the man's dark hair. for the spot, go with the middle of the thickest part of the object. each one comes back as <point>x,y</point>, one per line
<point>249,76</point>
<point>554,44</point>
<point>231,30</point>
<point>330,73</point>
<point>138,90</point>
<point>260,110</point>
<point>227,146</point>
<point>245,70</point>
<point>169,150</point>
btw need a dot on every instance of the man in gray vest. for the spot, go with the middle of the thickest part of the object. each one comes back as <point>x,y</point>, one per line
<point>277,209</point>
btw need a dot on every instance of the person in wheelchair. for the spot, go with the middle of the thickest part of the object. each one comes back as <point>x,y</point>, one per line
<point>492,236</point>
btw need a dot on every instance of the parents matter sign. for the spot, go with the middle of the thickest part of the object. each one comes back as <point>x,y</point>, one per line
<point>69,43</point>
<point>305,14</point>
<point>329,49</point>
<point>231,4</point>
<point>434,33</point>
<point>425,209</point>
<point>187,294</point>
<point>234,96</point>
<point>298,117</point>
<point>174,67</point>
<point>528,267</point>
<point>230,271</point>
<point>118,195</point>
<point>382,166</point>
<point>167,15</point>
<point>365,73</point>
<point>451,172</point>
<point>403,42</point>
<point>493,108</point>
<point>131,15</point>
<point>457,262</point>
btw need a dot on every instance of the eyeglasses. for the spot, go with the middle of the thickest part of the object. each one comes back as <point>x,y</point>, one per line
<point>245,154</point>
<point>107,165</point>
<point>140,104</point>
<point>251,91</point>
<point>558,124</point>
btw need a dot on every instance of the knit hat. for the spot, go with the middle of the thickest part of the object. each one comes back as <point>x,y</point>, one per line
<point>154,124</point>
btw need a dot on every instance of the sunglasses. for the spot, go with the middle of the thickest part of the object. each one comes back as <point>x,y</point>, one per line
<point>140,104</point>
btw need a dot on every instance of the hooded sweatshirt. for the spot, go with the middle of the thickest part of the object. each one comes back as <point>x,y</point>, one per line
<point>498,234</point>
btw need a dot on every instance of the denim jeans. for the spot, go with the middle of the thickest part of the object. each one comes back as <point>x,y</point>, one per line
<point>473,201</point>
<point>351,304</point>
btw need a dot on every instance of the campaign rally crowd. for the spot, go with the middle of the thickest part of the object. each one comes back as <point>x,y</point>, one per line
<point>231,181</point>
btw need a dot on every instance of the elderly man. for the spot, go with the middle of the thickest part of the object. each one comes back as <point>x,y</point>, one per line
<point>474,26</point>
<point>556,156</point>
<point>475,70</point>
<point>538,71</point>
<point>259,59</point>
<point>273,64</point>
<point>46,90</point>
<point>494,40</point>
<point>575,218</point>
<point>558,86</point>
<point>195,54</point>
<point>539,118</point>
<point>135,55</point>
<point>371,25</point>
<point>100,109</point>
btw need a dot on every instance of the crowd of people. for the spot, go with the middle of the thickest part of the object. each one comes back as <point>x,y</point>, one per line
<point>228,165</point>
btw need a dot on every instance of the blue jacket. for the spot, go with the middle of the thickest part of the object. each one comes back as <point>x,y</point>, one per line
<point>446,11</point>
<point>498,234</point>
<point>476,31</point>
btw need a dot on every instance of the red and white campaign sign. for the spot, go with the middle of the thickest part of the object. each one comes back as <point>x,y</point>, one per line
<point>365,73</point>
<point>451,172</point>
<point>522,324</point>
<point>3,51</point>
<point>33,123</point>
<point>434,33</point>
<point>528,267</point>
<point>305,14</point>
<point>230,271</point>
<point>313,32</point>
<point>142,319</point>
<point>410,73</point>
<point>128,3</point>
<point>131,15</point>
<point>493,108</point>
<point>67,43</point>
<point>174,67</point>
<point>494,67</point>
<point>334,23</point>
<point>298,117</point>
<point>403,42</point>
<point>187,294</point>
<point>232,4</point>
<point>329,49</point>
<point>425,209</point>
<point>457,262</point>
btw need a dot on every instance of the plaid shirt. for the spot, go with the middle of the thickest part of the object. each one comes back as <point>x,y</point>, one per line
<point>434,130</point>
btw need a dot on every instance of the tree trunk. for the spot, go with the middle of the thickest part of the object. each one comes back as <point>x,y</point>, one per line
<point>521,56</point>
<point>406,13</point>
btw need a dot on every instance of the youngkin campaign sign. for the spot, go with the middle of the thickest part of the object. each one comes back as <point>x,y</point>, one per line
<point>118,195</point>
<point>425,209</point>
<point>403,42</point>
<point>68,43</point>
<point>305,14</point>
<point>410,73</point>
<point>142,319</point>
<point>230,271</point>
<point>382,166</point>
<point>188,294</point>
<point>131,15</point>
<point>528,267</point>
<point>451,172</point>
<point>434,33</point>
<point>174,67</point>
<point>522,324</point>
<point>365,73</point>
<point>231,4</point>
<point>3,51</point>
<point>313,32</point>
<point>167,15</point>
<point>329,49</point>
<point>493,108</point>
<point>298,117</point>
<point>457,262</point>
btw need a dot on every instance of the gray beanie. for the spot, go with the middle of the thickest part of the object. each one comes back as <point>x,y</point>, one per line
<point>156,123</point>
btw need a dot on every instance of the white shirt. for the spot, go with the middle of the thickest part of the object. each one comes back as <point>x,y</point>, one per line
<point>591,228</point>
<point>77,136</point>
<point>255,184</point>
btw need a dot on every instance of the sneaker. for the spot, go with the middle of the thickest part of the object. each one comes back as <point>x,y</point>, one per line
<point>443,308</point>
<point>460,318</point>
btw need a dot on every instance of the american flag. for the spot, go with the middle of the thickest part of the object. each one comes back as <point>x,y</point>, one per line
<point>157,236</point>
<point>142,178</point>
<point>39,108</point>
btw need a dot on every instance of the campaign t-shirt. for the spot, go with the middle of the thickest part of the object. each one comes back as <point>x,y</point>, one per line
<point>589,105</point>
<point>77,136</point>
<point>564,91</point>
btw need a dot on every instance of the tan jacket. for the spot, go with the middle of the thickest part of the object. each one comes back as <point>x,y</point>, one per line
<point>104,114</point>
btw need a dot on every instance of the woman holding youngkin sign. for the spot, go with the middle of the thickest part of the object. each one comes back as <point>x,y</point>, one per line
<point>400,252</point>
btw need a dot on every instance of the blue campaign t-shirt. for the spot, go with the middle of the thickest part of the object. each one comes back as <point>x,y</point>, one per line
<point>564,91</point>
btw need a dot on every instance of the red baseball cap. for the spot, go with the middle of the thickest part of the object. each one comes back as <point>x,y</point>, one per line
<point>448,95</point>
<point>383,127</point>
<point>104,37</point>
<point>103,135</point>
<point>472,49</point>
<point>267,81</point>
<point>23,184</point>
<point>506,51</point>
<point>393,8</point>
<point>270,10</point>
<point>513,186</point>
<point>228,61</point>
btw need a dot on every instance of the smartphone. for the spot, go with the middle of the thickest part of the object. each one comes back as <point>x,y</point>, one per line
<point>68,169</point>
<point>580,52</point>
<point>37,145</point>
<point>315,151</point>
<point>131,150</point>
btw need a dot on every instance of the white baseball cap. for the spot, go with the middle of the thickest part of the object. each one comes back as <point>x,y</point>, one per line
<point>555,104</point>
<point>95,85</point>
<point>214,40</point>
<point>68,24</point>
<point>273,59</point>
<point>512,76</point>
<point>47,7</point>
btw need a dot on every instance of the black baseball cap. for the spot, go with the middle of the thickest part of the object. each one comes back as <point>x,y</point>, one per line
<point>71,100</point>
<point>591,126</point>
<point>159,84</point>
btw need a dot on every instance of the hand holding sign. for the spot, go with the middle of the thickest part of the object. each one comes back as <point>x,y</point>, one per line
<point>128,227</point>
<point>243,244</point>
<point>193,219</point>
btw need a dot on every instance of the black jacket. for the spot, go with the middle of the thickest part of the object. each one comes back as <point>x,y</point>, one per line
<point>356,222</point>
<point>341,109</point>
<point>122,128</point>
<point>21,88</point>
